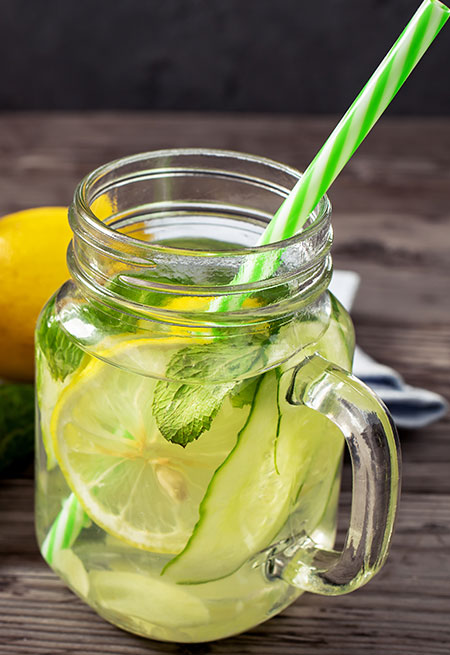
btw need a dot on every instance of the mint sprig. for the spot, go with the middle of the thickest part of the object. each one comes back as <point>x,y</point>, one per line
<point>183,412</point>
<point>62,355</point>
<point>185,409</point>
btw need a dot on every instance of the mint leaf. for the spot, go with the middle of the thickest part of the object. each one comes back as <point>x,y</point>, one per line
<point>183,412</point>
<point>132,287</point>
<point>16,427</point>
<point>102,321</point>
<point>185,409</point>
<point>62,355</point>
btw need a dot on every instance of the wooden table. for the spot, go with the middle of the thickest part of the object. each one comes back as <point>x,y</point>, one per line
<point>392,225</point>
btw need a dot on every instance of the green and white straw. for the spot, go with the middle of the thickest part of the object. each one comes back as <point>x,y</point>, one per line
<point>314,183</point>
<point>353,128</point>
<point>358,121</point>
<point>65,529</point>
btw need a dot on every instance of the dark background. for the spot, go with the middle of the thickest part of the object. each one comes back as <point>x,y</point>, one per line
<point>298,56</point>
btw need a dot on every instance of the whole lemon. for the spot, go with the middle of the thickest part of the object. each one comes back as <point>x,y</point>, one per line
<point>33,245</point>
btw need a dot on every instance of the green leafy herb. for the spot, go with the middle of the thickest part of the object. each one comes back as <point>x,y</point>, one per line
<point>183,412</point>
<point>185,409</point>
<point>139,293</point>
<point>103,321</point>
<point>62,355</point>
<point>16,427</point>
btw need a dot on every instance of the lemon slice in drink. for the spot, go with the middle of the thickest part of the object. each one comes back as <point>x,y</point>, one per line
<point>133,483</point>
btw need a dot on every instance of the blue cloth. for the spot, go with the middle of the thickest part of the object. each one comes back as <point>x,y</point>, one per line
<point>410,407</point>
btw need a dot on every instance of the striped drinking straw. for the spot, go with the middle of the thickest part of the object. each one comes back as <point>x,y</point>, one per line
<point>342,142</point>
<point>65,529</point>
<point>318,177</point>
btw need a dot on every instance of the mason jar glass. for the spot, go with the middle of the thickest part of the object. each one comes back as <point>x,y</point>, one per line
<point>191,423</point>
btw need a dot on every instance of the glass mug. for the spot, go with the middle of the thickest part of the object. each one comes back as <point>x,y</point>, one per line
<point>188,459</point>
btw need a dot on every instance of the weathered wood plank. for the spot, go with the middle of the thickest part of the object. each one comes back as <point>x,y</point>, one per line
<point>392,225</point>
<point>404,165</point>
<point>391,202</point>
<point>402,611</point>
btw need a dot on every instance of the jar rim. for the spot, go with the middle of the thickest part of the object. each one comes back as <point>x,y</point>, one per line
<point>91,223</point>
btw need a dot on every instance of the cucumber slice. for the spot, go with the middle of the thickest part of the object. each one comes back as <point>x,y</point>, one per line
<point>131,595</point>
<point>250,496</point>
<point>72,569</point>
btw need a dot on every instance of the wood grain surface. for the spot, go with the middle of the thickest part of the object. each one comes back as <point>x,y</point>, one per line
<point>392,225</point>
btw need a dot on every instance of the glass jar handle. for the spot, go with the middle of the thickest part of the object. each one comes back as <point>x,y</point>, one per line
<point>372,440</point>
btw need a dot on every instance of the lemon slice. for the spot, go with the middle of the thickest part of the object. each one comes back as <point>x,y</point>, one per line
<point>48,391</point>
<point>133,483</point>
